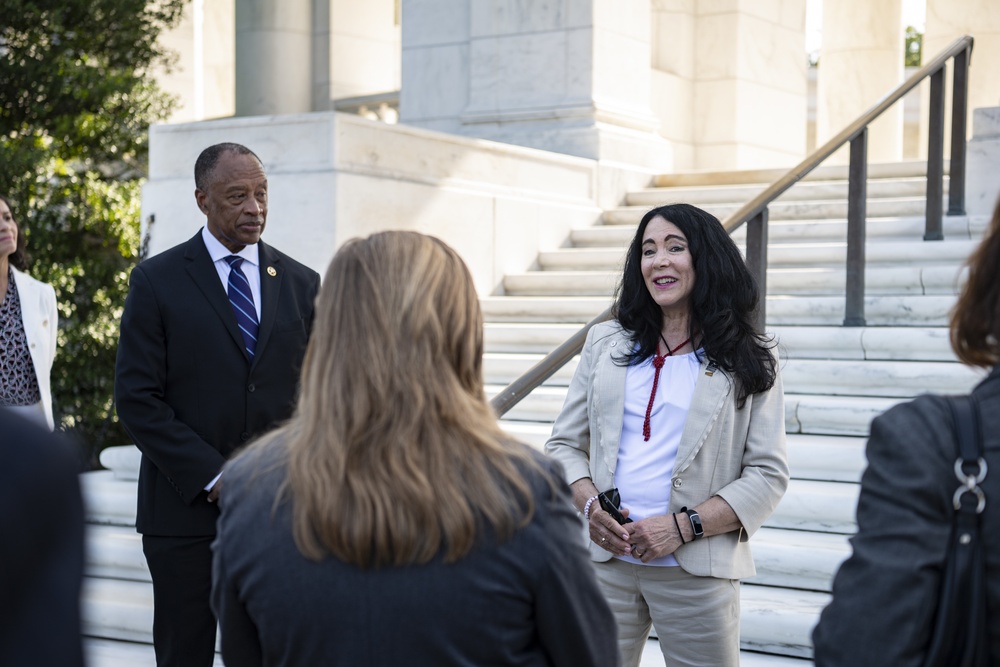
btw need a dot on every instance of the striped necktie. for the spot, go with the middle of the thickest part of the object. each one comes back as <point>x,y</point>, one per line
<point>241,299</point>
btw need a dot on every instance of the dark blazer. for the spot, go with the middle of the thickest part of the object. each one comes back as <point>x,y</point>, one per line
<point>531,601</point>
<point>185,390</point>
<point>41,552</point>
<point>885,594</point>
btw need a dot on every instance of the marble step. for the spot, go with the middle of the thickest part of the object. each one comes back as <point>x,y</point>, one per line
<point>115,552</point>
<point>801,342</point>
<point>797,559</point>
<point>880,310</point>
<point>701,195</point>
<point>108,500</point>
<point>821,507</point>
<point>804,413</point>
<point>836,377</point>
<point>796,281</point>
<point>876,170</point>
<point>951,254</point>
<point>782,210</point>
<point>792,231</point>
<point>779,620</point>
<point>117,609</point>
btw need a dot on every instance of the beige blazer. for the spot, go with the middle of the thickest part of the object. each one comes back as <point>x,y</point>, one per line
<point>739,455</point>
<point>41,321</point>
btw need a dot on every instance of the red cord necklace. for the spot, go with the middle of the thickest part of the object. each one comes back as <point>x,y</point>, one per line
<point>658,362</point>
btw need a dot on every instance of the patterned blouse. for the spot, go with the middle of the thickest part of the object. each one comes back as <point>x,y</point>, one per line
<point>18,382</point>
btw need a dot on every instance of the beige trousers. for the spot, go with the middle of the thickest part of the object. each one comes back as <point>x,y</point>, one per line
<point>697,619</point>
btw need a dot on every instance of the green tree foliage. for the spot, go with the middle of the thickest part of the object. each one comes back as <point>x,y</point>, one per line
<point>913,47</point>
<point>76,100</point>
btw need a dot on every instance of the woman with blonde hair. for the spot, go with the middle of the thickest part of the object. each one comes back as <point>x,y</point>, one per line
<point>392,521</point>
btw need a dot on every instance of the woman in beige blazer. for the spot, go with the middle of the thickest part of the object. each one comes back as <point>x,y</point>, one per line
<point>28,324</point>
<point>676,410</point>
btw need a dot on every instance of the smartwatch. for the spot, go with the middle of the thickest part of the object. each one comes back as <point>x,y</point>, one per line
<point>699,531</point>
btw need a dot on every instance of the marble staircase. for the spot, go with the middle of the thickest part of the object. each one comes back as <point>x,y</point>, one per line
<point>836,380</point>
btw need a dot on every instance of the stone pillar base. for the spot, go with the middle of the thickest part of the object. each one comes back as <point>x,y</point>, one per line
<point>982,188</point>
<point>579,131</point>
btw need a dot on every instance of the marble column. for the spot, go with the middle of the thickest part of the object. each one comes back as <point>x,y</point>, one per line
<point>861,60</point>
<point>982,188</point>
<point>202,77</point>
<point>273,57</point>
<point>947,20</point>
<point>571,76</point>
<point>356,49</point>
<point>730,82</point>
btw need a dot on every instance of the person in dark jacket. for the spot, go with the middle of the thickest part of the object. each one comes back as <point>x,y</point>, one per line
<point>392,521</point>
<point>41,552</point>
<point>885,595</point>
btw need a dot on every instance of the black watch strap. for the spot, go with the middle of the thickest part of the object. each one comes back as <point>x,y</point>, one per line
<point>696,527</point>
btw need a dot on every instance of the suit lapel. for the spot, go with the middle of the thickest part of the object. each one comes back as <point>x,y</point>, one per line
<point>612,396</point>
<point>201,269</point>
<point>270,288</point>
<point>712,388</point>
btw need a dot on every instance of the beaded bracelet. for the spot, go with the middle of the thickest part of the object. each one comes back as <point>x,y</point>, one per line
<point>586,508</point>
<point>679,533</point>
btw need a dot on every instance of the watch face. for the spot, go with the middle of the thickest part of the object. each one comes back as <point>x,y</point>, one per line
<point>696,523</point>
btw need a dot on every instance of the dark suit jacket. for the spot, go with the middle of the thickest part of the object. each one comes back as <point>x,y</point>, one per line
<point>185,390</point>
<point>41,551</point>
<point>531,601</point>
<point>885,594</point>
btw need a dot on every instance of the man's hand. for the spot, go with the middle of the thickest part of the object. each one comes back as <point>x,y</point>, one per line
<point>213,493</point>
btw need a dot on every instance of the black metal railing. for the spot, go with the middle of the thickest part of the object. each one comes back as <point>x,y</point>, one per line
<point>755,212</point>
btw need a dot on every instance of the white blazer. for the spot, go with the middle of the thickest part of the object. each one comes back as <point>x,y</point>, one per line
<point>41,321</point>
<point>736,453</point>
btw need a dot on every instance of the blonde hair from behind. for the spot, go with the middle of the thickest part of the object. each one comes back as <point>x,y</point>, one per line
<point>975,319</point>
<point>394,454</point>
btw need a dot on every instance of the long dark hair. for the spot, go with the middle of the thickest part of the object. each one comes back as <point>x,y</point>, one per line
<point>975,320</point>
<point>19,258</point>
<point>722,301</point>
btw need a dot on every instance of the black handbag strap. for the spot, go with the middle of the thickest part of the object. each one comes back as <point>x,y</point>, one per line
<point>958,637</point>
<point>970,467</point>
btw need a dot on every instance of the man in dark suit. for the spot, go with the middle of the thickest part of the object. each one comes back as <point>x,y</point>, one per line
<point>41,552</point>
<point>212,340</point>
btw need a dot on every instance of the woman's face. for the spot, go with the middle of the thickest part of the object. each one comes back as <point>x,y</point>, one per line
<point>667,266</point>
<point>8,231</point>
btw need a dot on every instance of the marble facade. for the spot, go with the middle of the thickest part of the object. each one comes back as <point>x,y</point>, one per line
<point>668,85</point>
<point>334,176</point>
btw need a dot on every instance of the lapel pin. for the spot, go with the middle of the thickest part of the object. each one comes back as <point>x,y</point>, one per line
<point>271,272</point>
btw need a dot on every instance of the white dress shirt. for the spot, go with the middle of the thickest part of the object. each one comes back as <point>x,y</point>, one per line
<point>250,267</point>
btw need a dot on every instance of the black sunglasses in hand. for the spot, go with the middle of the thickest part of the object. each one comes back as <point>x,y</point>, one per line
<point>611,502</point>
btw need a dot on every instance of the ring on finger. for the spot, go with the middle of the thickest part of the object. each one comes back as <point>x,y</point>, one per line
<point>603,540</point>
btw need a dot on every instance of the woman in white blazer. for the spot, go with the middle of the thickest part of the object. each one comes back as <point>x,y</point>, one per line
<point>675,414</point>
<point>28,324</point>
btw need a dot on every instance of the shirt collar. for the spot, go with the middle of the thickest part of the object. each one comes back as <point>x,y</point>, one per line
<point>217,251</point>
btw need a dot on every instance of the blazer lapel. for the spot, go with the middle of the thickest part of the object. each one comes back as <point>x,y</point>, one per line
<point>612,397</point>
<point>32,313</point>
<point>710,391</point>
<point>270,288</point>
<point>201,269</point>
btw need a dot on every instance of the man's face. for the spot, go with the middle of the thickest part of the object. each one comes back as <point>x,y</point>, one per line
<point>236,201</point>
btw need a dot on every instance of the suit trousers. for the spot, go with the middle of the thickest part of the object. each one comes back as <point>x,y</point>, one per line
<point>697,619</point>
<point>183,623</point>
